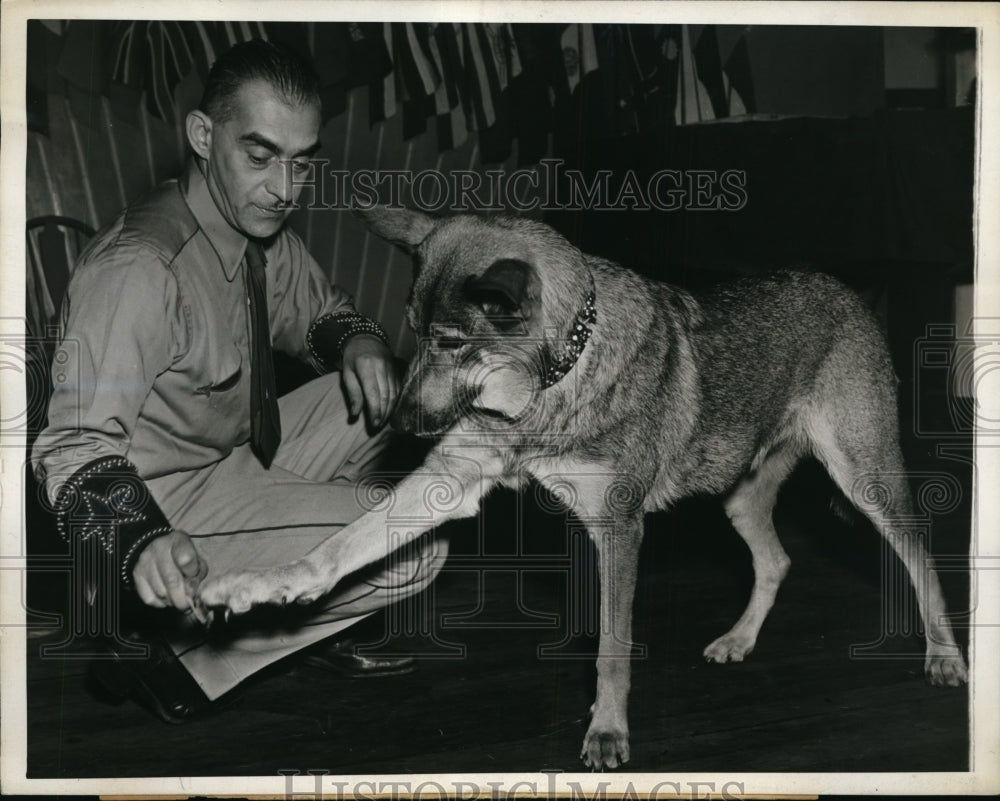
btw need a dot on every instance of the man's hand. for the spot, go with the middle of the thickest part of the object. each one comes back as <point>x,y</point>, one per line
<point>369,378</point>
<point>169,571</point>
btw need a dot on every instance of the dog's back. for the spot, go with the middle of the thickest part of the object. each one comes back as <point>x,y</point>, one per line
<point>771,352</point>
<point>719,378</point>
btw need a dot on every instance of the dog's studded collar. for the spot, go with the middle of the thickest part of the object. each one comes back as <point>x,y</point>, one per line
<point>577,341</point>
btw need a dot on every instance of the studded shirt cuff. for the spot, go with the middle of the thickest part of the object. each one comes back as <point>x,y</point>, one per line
<point>106,501</point>
<point>328,335</point>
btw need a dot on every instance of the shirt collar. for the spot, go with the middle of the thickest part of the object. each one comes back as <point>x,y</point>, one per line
<point>229,243</point>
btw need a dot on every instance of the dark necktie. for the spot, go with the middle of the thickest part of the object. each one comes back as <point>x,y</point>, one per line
<point>265,422</point>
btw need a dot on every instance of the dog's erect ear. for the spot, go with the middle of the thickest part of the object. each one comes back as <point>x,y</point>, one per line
<point>401,227</point>
<point>503,291</point>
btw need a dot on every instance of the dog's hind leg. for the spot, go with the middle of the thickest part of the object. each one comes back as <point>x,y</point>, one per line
<point>859,449</point>
<point>750,507</point>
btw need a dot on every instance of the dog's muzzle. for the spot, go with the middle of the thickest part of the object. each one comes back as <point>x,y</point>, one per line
<point>412,417</point>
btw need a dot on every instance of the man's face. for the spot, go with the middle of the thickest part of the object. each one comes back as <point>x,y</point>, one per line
<point>255,156</point>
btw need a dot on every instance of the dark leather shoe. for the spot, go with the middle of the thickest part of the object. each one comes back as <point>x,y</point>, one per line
<point>159,682</point>
<point>340,657</point>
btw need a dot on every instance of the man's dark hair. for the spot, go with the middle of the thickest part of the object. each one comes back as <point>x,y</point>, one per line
<point>288,73</point>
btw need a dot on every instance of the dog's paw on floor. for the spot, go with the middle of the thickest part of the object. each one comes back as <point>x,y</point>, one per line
<point>948,670</point>
<point>728,648</point>
<point>605,749</point>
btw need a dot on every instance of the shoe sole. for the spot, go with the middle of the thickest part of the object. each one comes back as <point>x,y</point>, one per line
<point>331,666</point>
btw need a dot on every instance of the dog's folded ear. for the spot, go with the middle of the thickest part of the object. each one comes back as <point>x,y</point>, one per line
<point>402,227</point>
<point>503,292</point>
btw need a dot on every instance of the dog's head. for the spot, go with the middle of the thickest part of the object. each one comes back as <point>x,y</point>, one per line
<point>491,300</point>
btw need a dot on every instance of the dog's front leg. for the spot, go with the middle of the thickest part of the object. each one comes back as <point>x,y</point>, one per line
<point>607,741</point>
<point>446,487</point>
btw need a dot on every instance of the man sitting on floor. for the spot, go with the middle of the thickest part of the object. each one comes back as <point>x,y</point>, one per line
<point>168,445</point>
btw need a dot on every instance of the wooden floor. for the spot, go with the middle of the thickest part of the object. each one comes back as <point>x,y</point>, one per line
<point>504,683</point>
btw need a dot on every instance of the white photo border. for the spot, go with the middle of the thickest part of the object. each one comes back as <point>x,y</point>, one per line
<point>984,776</point>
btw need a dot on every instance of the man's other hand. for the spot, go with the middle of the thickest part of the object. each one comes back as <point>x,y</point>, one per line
<point>369,378</point>
<point>169,571</point>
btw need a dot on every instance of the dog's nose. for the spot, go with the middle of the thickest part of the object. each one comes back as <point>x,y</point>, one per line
<point>404,416</point>
<point>410,417</point>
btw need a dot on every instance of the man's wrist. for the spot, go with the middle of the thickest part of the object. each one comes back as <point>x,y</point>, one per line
<point>329,334</point>
<point>107,502</point>
<point>362,337</point>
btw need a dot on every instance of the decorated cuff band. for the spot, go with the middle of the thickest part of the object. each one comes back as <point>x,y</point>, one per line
<point>329,333</point>
<point>107,501</point>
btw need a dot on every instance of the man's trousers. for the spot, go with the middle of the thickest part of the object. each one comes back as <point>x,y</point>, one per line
<point>240,515</point>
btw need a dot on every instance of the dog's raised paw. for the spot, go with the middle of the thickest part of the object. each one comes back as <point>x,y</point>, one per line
<point>946,671</point>
<point>728,648</point>
<point>235,592</point>
<point>240,590</point>
<point>605,749</point>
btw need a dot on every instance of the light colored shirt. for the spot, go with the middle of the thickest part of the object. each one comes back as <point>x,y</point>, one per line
<point>154,363</point>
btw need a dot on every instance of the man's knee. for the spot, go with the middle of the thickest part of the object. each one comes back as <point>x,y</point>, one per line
<point>415,566</point>
<point>320,442</point>
<point>426,563</point>
<point>435,555</point>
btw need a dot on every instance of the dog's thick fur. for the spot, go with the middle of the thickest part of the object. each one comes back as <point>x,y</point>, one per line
<point>675,394</point>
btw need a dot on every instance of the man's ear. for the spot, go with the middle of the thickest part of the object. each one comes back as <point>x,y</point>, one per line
<point>402,227</point>
<point>199,133</point>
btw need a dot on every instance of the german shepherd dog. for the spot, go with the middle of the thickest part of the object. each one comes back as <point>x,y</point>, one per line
<point>623,395</point>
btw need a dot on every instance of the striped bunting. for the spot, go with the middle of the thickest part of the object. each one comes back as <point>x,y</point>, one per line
<point>451,95</point>
<point>579,53</point>
<point>155,56</point>
<point>382,93</point>
<point>707,88</point>
<point>739,81</point>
